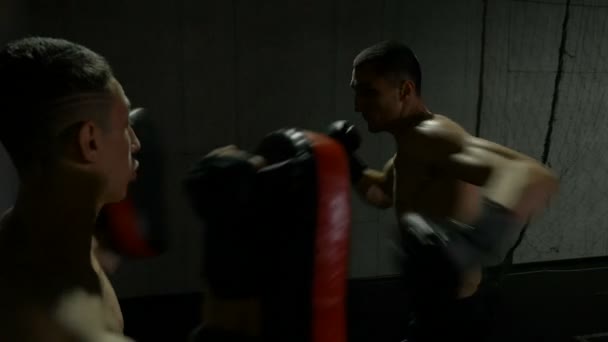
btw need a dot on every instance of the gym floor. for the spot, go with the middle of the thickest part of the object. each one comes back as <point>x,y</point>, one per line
<point>546,301</point>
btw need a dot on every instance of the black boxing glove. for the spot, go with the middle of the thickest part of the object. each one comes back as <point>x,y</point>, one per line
<point>222,191</point>
<point>219,186</point>
<point>348,136</point>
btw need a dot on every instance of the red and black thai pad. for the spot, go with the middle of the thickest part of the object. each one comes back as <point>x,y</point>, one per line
<point>306,218</point>
<point>136,226</point>
<point>331,240</point>
<point>280,234</point>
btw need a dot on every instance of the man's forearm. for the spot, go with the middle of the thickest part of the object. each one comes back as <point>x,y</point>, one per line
<point>371,187</point>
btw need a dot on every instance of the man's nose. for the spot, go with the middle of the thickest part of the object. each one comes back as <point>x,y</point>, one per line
<point>135,143</point>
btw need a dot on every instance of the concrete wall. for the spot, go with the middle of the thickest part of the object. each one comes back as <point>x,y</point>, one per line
<point>221,72</point>
<point>553,111</point>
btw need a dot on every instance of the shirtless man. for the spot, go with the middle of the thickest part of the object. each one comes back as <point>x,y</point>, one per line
<point>65,125</point>
<point>466,197</point>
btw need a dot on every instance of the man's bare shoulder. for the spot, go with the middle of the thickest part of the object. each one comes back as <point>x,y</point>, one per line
<point>440,126</point>
<point>437,135</point>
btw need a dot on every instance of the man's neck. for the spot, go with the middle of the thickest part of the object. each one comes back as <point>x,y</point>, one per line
<point>57,214</point>
<point>410,120</point>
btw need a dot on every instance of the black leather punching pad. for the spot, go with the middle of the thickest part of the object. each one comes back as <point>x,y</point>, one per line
<point>285,236</point>
<point>136,227</point>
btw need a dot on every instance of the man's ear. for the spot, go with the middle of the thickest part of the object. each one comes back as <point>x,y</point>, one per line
<point>89,141</point>
<point>407,88</point>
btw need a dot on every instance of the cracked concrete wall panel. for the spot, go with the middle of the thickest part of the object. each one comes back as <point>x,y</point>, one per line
<point>522,62</point>
<point>534,32</point>
<point>587,47</point>
<point>520,122</point>
<point>575,225</point>
<point>519,79</point>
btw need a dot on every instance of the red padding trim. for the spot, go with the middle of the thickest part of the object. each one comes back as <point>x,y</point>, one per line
<point>124,229</point>
<point>331,240</point>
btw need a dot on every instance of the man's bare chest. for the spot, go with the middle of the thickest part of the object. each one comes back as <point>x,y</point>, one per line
<point>410,177</point>
<point>420,186</point>
<point>111,306</point>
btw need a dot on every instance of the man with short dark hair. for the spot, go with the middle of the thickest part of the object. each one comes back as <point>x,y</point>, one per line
<point>65,124</point>
<point>393,60</point>
<point>461,201</point>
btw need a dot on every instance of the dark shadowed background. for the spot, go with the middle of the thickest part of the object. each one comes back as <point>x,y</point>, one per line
<point>532,75</point>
